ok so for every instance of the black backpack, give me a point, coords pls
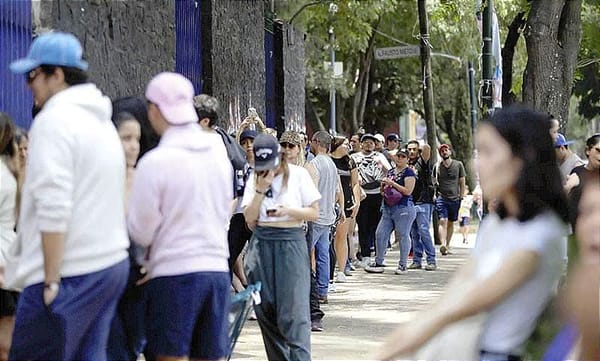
(237, 157)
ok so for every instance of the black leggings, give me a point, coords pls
(367, 219)
(237, 237)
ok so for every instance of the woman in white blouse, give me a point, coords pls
(277, 199)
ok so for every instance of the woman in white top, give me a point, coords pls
(10, 186)
(517, 262)
(277, 199)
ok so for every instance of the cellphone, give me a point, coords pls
(271, 212)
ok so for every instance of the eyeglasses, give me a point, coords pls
(30, 77)
(287, 145)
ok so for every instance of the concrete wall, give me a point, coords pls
(125, 42)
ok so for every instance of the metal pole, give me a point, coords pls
(332, 125)
(473, 96)
(427, 84)
(487, 58)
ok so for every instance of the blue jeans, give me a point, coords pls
(399, 218)
(421, 238)
(320, 242)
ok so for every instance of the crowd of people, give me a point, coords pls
(127, 224)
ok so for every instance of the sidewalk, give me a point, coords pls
(367, 308)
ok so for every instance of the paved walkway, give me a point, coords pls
(366, 309)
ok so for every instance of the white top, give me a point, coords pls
(75, 184)
(180, 203)
(512, 320)
(371, 168)
(8, 198)
(300, 192)
(465, 206)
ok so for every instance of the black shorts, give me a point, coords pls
(8, 302)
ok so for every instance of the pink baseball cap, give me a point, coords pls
(173, 94)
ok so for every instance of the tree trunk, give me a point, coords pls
(552, 36)
(508, 52)
(362, 84)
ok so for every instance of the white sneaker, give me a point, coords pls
(331, 288)
(340, 277)
(366, 262)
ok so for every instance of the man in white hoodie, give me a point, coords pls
(71, 254)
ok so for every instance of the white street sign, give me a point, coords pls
(397, 52)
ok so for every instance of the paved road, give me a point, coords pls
(367, 308)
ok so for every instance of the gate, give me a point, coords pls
(188, 41)
(15, 38)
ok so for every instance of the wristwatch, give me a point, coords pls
(52, 286)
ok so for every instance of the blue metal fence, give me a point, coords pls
(15, 38)
(269, 79)
(188, 41)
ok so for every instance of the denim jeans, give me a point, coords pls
(399, 218)
(421, 238)
(320, 242)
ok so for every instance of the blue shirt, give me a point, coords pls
(399, 177)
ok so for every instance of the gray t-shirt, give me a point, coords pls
(327, 186)
(568, 165)
(448, 179)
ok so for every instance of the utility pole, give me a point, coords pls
(472, 96)
(487, 59)
(427, 84)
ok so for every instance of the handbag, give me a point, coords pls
(391, 196)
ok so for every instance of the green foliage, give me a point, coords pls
(587, 84)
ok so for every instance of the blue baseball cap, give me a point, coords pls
(561, 141)
(54, 48)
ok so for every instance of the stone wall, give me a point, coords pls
(125, 42)
(234, 61)
(293, 69)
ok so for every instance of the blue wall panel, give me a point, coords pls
(188, 41)
(269, 79)
(15, 38)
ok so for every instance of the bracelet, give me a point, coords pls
(52, 285)
(259, 192)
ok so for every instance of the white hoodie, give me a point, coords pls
(74, 183)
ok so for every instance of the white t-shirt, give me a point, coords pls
(300, 192)
(512, 320)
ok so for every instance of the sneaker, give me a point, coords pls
(331, 288)
(323, 300)
(415, 266)
(400, 270)
(366, 262)
(444, 250)
(354, 265)
(348, 273)
(252, 315)
(316, 326)
(374, 269)
(340, 277)
(431, 267)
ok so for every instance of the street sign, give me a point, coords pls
(397, 52)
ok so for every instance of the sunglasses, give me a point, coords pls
(287, 145)
(30, 77)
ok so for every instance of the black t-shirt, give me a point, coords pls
(345, 165)
(424, 190)
(575, 194)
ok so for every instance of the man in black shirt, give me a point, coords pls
(418, 159)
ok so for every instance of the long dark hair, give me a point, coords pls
(539, 187)
(9, 154)
(137, 107)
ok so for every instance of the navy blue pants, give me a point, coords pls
(76, 324)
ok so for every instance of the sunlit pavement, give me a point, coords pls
(366, 309)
